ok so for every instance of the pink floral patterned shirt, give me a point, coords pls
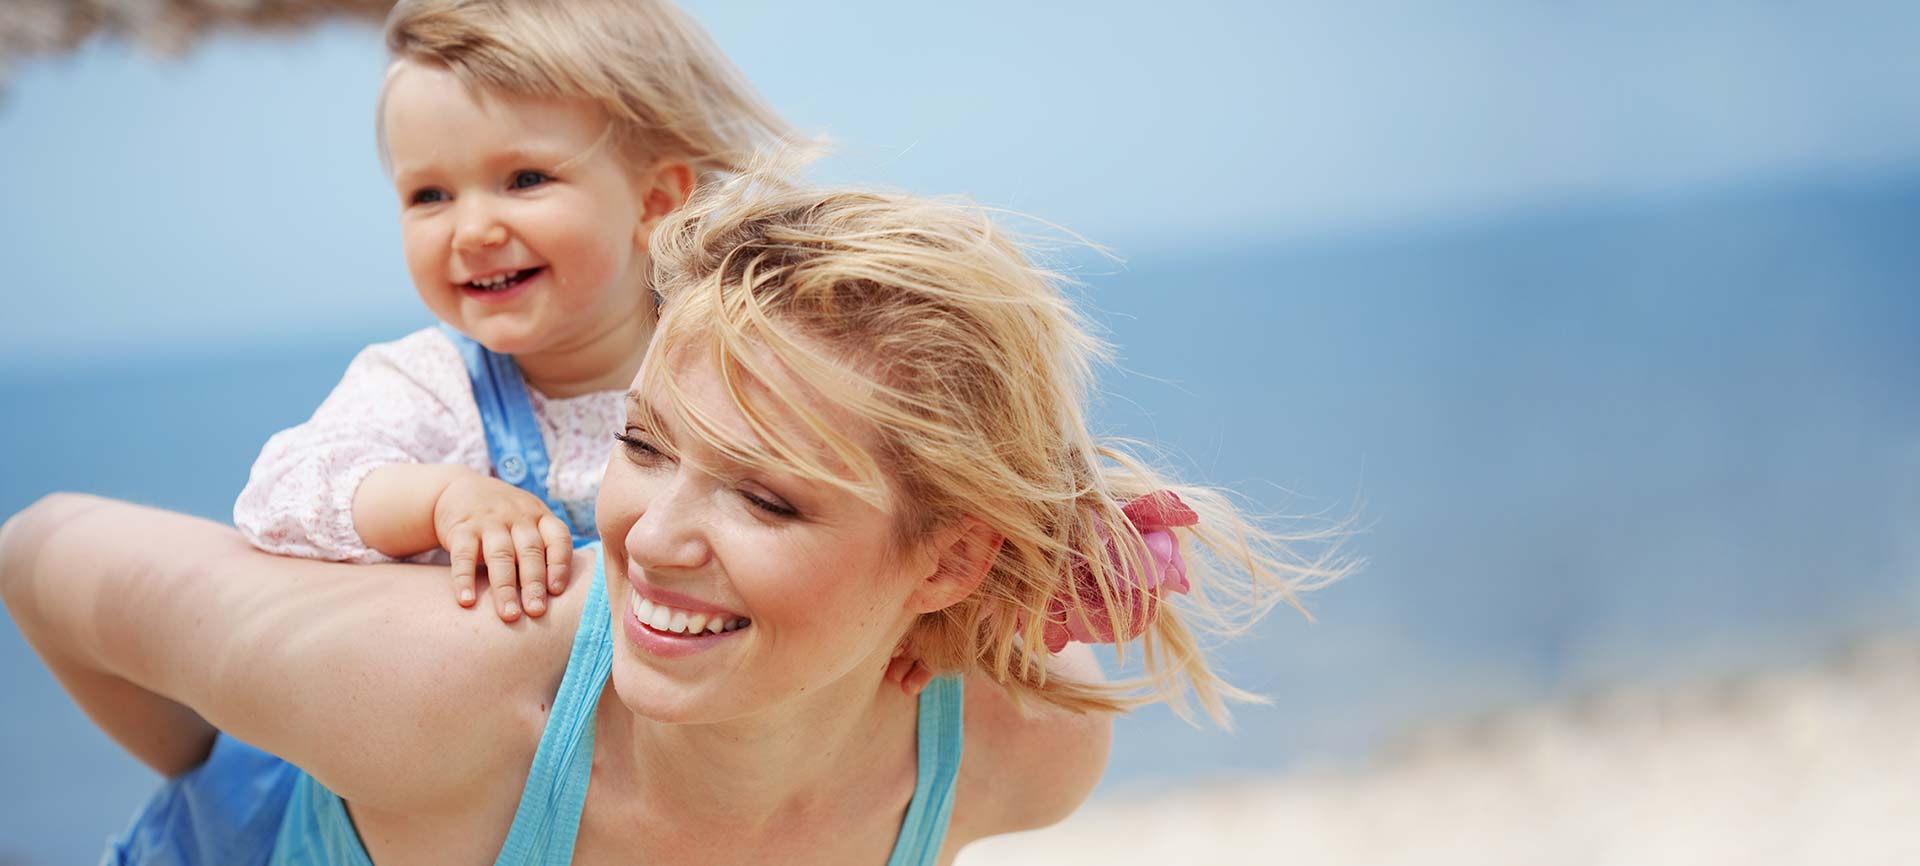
(408, 401)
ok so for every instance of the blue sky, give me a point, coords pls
(232, 199)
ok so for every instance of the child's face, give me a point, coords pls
(522, 226)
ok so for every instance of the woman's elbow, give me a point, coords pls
(24, 540)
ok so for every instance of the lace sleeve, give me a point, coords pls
(402, 402)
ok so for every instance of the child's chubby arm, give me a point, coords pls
(404, 509)
(404, 402)
(163, 627)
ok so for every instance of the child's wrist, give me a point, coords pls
(397, 505)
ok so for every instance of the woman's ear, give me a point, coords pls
(966, 553)
(666, 186)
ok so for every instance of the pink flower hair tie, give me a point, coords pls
(1077, 613)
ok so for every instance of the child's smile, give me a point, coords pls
(521, 222)
(502, 285)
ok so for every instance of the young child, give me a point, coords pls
(533, 146)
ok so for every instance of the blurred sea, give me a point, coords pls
(1585, 446)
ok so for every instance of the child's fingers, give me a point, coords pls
(464, 551)
(559, 552)
(496, 545)
(897, 669)
(916, 681)
(532, 550)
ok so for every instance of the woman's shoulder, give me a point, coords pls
(456, 700)
(1031, 767)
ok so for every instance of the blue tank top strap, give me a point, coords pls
(942, 732)
(548, 817)
(318, 831)
(514, 444)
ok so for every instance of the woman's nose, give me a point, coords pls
(670, 529)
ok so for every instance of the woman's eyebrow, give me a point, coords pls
(715, 461)
(642, 410)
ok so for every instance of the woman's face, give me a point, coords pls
(733, 589)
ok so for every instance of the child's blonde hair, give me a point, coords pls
(925, 321)
(667, 90)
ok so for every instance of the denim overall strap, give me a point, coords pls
(514, 446)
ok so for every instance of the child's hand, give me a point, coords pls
(908, 672)
(525, 548)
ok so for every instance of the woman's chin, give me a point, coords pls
(647, 694)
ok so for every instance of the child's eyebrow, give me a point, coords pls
(556, 157)
(526, 154)
(406, 175)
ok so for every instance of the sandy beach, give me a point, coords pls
(1812, 765)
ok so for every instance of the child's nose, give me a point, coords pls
(478, 229)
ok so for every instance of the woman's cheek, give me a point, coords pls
(616, 508)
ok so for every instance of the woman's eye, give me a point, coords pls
(769, 504)
(527, 178)
(430, 195)
(639, 448)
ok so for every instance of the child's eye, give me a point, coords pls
(527, 178)
(429, 195)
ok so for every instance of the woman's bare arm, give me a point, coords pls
(163, 627)
(1026, 770)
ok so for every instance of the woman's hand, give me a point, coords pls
(525, 548)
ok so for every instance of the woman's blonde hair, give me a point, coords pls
(970, 368)
(667, 90)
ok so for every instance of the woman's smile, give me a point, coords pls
(667, 624)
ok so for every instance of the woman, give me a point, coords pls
(859, 424)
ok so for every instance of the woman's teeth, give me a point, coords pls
(660, 617)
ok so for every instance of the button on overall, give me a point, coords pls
(513, 470)
(514, 446)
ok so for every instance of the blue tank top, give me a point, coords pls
(247, 807)
(514, 445)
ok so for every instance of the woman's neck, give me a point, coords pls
(755, 776)
(604, 359)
